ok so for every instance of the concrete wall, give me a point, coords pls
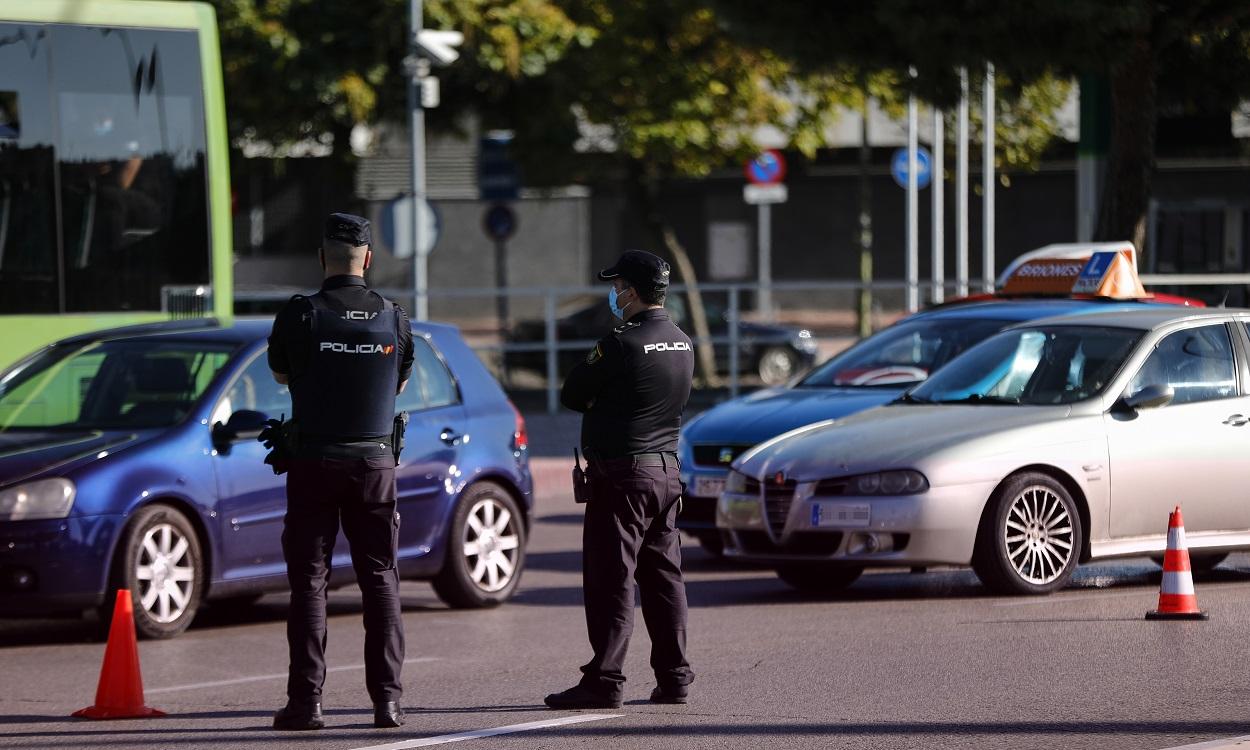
(551, 247)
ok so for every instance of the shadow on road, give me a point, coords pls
(45, 631)
(730, 590)
(712, 583)
(149, 734)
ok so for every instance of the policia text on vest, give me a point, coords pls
(631, 391)
(345, 352)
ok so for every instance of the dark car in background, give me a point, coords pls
(773, 353)
(128, 459)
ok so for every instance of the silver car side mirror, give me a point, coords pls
(1150, 397)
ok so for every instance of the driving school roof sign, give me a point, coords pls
(1102, 274)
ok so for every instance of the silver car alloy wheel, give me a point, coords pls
(491, 544)
(1039, 535)
(165, 572)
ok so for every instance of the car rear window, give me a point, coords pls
(431, 384)
(903, 354)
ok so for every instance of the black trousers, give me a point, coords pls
(359, 492)
(630, 534)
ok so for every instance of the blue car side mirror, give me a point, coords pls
(244, 424)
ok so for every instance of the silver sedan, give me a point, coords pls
(1046, 446)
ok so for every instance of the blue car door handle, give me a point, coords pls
(450, 436)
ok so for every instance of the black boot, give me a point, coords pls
(388, 715)
(299, 717)
(580, 696)
(675, 694)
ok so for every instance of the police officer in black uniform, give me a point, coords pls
(632, 389)
(345, 353)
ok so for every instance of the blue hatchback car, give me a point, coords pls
(873, 372)
(128, 459)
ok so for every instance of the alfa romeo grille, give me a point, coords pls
(777, 499)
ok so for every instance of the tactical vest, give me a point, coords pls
(348, 390)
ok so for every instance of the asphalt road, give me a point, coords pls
(900, 661)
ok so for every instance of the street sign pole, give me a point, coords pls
(501, 282)
(939, 215)
(913, 208)
(961, 190)
(764, 304)
(987, 220)
(500, 222)
(765, 187)
(420, 267)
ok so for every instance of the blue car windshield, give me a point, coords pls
(109, 385)
(903, 354)
(1033, 366)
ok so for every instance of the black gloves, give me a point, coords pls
(275, 436)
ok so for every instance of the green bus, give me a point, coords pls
(114, 173)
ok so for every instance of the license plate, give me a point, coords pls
(708, 486)
(843, 515)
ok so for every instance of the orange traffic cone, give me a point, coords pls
(1177, 600)
(120, 692)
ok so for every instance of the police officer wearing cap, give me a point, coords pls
(345, 352)
(632, 389)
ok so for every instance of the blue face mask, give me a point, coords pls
(612, 303)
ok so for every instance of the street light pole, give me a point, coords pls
(961, 190)
(987, 219)
(913, 209)
(939, 209)
(418, 68)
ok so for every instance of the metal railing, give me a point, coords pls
(187, 301)
(552, 345)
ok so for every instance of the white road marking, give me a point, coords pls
(263, 677)
(1229, 744)
(443, 739)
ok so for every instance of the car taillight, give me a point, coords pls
(520, 438)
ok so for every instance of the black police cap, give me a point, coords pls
(640, 269)
(349, 228)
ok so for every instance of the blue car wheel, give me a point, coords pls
(160, 560)
(485, 549)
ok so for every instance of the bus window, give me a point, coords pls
(131, 151)
(28, 258)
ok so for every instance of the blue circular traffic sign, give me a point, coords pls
(924, 164)
(767, 168)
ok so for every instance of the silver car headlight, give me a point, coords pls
(736, 482)
(903, 482)
(39, 500)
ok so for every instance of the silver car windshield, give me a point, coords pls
(1032, 366)
(902, 354)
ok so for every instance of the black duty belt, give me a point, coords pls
(356, 449)
(635, 460)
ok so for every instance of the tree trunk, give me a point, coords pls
(644, 188)
(1131, 161)
(698, 314)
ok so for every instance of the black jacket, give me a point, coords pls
(633, 387)
(287, 350)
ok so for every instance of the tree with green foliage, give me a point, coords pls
(313, 69)
(670, 91)
(1155, 53)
